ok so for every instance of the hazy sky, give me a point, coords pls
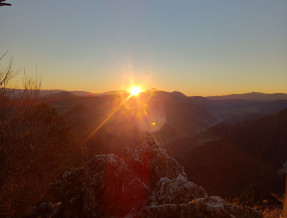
(203, 47)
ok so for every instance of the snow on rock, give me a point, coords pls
(178, 190)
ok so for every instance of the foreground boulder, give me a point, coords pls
(146, 182)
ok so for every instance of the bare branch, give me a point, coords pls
(2, 3)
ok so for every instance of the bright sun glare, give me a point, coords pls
(135, 90)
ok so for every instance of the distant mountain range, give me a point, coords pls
(46, 92)
(164, 113)
(253, 96)
(228, 108)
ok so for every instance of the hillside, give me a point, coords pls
(172, 116)
(253, 96)
(239, 110)
(241, 160)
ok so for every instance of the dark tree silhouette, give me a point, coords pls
(2, 3)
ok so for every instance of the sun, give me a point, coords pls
(135, 90)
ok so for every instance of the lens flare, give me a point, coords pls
(135, 90)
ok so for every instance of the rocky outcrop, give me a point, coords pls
(181, 198)
(150, 162)
(105, 186)
(176, 191)
(146, 182)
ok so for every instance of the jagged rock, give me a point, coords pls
(70, 191)
(147, 182)
(103, 187)
(150, 162)
(122, 190)
(214, 207)
(176, 191)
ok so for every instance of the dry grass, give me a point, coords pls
(272, 212)
(268, 211)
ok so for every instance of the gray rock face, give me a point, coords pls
(176, 191)
(145, 183)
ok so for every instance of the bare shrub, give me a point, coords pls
(36, 146)
(6, 75)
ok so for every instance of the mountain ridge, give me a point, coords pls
(254, 96)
